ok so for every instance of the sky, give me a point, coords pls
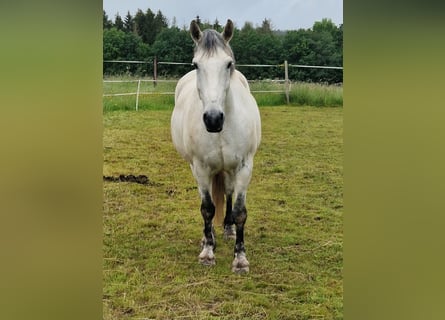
(284, 14)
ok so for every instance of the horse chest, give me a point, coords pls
(222, 154)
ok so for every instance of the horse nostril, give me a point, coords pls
(213, 120)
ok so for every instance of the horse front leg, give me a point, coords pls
(207, 257)
(240, 264)
(208, 244)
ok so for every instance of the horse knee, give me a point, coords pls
(239, 212)
(240, 216)
(207, 207)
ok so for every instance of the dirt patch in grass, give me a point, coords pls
(141, 179)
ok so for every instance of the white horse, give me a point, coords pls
(216, 127)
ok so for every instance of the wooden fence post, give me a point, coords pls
(286, 80)
(155, 71)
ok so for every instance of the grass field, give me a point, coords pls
(301, 94)
(293, 233)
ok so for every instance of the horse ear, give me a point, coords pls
(195, 31)
(228, 31)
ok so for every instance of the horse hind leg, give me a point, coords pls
(229, 228)
(207, 257)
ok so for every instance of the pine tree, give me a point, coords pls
(174, 23)
(266, 26)
(129, 23)
(150, 29)
(216, 25)
(139, 23)
(145, 26)
(118, 23)
(248, 26)
(107, 24)
(159, 22)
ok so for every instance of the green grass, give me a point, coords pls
(315, 94)
(293, 233)
(301, 94)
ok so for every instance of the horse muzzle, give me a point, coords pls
(213, 120)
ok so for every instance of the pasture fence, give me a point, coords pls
(155, 80)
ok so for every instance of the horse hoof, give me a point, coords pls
(240, 265)
(242, 270)
(206, 257)
(229, 233)
(207, 261)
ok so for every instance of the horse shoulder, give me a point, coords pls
(189, 79)
(182, 94)
(242, 95)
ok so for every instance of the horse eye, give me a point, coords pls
(195, 65)
(229, 65)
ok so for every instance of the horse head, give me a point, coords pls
(214, 63)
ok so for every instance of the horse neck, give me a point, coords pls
(236, 89)
(232, 97)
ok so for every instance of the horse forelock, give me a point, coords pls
(211, 41)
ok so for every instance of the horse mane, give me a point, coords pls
(211, 41)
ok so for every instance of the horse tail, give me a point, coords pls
(218, 197)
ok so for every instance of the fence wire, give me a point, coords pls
(155, 80)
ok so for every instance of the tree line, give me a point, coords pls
(147, 35)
